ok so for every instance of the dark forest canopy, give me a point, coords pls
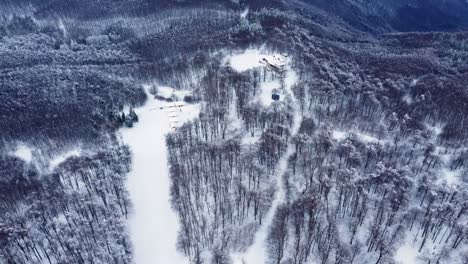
(370, 16)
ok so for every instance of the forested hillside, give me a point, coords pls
(362, 159)
(378, 162)
(399, 15)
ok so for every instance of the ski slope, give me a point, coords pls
(153, 224)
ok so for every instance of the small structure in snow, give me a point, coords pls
(275, 96)
(275, 63)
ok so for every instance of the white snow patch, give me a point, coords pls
(57, 160)
(249, 140)
(248, 60)
(339, 135)
(153, 224)
(366, 138)
(126, 109)
(62, 219)
(244, 13)
(169, 92)
(62, 27)
(407, 99)
(437, 128)
(407, 254)
(290, 80)
(451, 177)
(235, 123)
(253, 58)
(24, 152)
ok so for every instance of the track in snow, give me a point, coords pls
(256, 254)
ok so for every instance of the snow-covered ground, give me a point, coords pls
(435, 128)
(153, 224)
(366, 138)
(169, 92)
(35, 157)
(409, 251)
(339, 135)
(252, 58)
(256, 254)
(450, 177)
(247, 60)
(59, 159)
(407, 254)
(23, 152)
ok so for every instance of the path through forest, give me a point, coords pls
(256, 254)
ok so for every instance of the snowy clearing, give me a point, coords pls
(408, 252)
(169, 92)
(450, 177)
(366, 138)
(339, 135)
(59, 159)
(406, 255)
(249, 59)
(40, 161)
(153, 224)
(252, 58)
(23, 152)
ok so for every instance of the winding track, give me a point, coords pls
(256, 254)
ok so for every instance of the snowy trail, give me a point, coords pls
(256, 254)
(153, 224)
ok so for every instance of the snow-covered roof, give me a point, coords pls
(275, 60)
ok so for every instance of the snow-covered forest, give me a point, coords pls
(233, 132)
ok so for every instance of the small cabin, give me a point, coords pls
(275, 64)
(275, 96)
